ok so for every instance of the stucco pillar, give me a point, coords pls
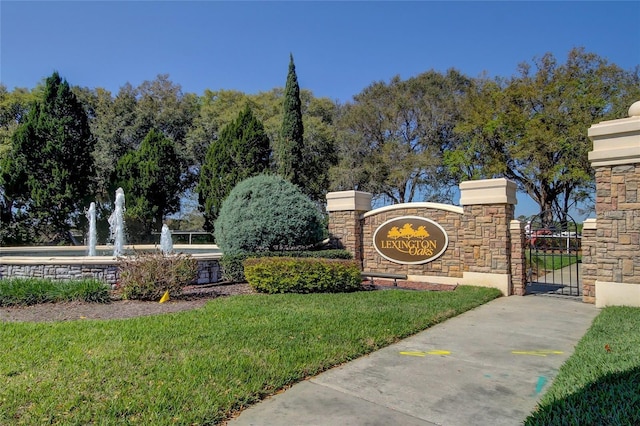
(345, 210)
(616, 161)
(489, 208)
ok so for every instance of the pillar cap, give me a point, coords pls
(488, 191)
(349, 201)
(616, 142)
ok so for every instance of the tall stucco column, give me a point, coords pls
(616, 161)
(345, 210)
(489, 208)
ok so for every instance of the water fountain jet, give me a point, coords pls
(91, 215)
(166, 242)
(116, 224)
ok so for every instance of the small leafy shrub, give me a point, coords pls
(147, 276)
(267, 213)
(302, 275)
(31, 291)
(233, 268)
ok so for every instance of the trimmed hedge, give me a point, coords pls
(233, 269)
(302, 275)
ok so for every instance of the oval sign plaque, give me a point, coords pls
(410, 240)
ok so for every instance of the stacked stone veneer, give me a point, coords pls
(487, 242)
(589, 272)
(618, 223)
(616, 161)
(208, 270)
(518, 261)
(481, 235)
(450, 264)
(61, 271)
(345, 225)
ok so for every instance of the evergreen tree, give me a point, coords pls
(242, 151)
(289, 150)
(150, 178)
(47, 176)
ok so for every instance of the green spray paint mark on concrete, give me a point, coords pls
(541, 382)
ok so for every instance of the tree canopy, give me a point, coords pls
(48, 173)
(242, 151)
(532, 128)
(403, 140)
(150, 178)
(394, 134)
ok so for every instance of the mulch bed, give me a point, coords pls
(193, 297)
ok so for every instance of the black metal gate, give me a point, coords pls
(553, 256)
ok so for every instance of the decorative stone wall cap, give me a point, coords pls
(615, 142)
(435, 206)
(634, 109)
(348, 201)
(614, 127)
(516, 225)
(589, 224)
(488, 191)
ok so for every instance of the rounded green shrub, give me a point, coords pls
(267, 213)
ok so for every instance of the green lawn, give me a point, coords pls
(549, 262)
(198, 367)
(600, 383)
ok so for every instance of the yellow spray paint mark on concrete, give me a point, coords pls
(542, 352)
(421, 353)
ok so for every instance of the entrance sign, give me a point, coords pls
(410, 240)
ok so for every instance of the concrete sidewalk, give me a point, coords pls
(488, 366)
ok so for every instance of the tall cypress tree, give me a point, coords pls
(289, 150)
(48, 174)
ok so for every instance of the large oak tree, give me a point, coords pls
(532, 128)
(393, 135)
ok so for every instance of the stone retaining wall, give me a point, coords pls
(208, 270)
(480, 236)
(448, 265)
(106, 273)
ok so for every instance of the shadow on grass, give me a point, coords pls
(612, 400)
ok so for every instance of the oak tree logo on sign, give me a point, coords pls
(410, 240)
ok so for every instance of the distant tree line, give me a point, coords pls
(403, 140)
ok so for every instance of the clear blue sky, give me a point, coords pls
(339, 47)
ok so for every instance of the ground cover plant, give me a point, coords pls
(198, 367)
(600, 383)
(30, 291)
